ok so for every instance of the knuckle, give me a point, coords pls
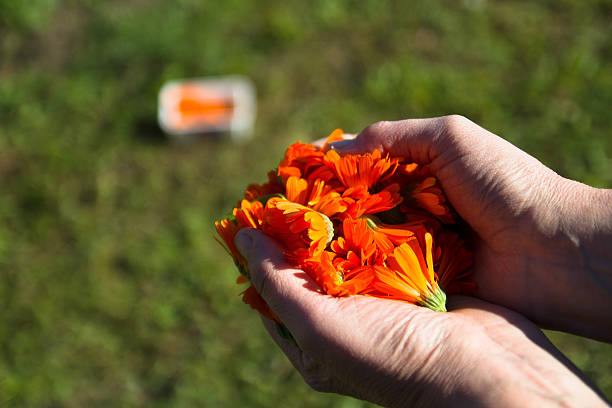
(374, 135)
(264, 262)
(317, 382)
(261, 279)
(452, 123)
(377, 128)
(315, 374)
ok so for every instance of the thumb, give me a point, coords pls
(412, 138)
(290, 292)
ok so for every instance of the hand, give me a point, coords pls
(542, 245)
(397, 354)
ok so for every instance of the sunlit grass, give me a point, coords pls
(113, 290)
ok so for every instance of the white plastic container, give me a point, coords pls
(188, 107)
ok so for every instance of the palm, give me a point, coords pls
(366, 333)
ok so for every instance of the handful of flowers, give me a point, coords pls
(365, 224)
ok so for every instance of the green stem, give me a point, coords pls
(435, 302)
(372, 221)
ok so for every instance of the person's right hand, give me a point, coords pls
(543, 244)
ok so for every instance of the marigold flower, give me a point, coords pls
(361, 202)
(253, 299)
(421, 190)
(333, 137)
(336, 282)
(454, 263)
(256, 191)
(250, 214)
(364, 170)
(387, 237)
(410, 276)
(358, 240)
(315, 194)
(357, 224)
(302, 158)
(429, 196)
(297, 226)
(227, 230)
(297, 158)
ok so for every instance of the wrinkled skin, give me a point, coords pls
(539, 256)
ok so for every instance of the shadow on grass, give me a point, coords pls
(147, 130)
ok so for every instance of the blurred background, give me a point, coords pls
(112, 289)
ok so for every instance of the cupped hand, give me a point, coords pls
(397, 354)
(542, 242)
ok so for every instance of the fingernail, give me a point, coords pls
(341, 145)
(244, 241)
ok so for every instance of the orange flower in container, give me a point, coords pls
(359, 225)
(207, 105)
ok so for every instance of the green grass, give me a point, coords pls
(112, 289)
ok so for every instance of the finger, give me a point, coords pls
(289, 292)
(492, 315)
(321, 142)
(315, 374)
(309, 368)
(293, 353)
(411, 138)
(492, 318)
(418, 140)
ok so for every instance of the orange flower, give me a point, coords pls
(297, 156)
(255, 191)
(301, 159)
(421, 190)
(250, 214)
(357, 224)
(297, 226)
(227, 230)
(365, 170)
(387, 237)
(335, 282)
(253, 299)
(430, 197)
(454, 263)
(315, 194)
(357, 240)
(333, 137)
(410, 276)
(362, 202)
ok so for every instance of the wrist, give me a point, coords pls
(521, 375)
(567, 260)
(586, 231)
